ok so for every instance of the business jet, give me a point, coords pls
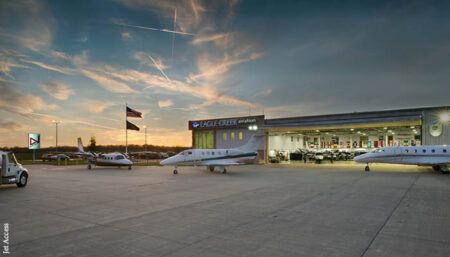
(436, 156)
(215, 158)
(105, 159)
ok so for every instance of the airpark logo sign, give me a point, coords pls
(225, 123)
(34, 141)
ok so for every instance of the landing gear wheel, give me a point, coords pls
(129, 167)
(175, 172)
(436, 168)
(444, 171)
(89, 166)
(211, 168)
(367, 168)
(22, 180)
(224, 171)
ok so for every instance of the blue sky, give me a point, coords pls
(81, 61)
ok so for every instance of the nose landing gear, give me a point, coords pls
(367, 168)
(175, 171)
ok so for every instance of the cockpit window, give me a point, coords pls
(378, 150)
(119, 157)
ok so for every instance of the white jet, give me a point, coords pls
(436, 156)
(105, 159)
(212, 158)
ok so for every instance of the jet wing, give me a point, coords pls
(220, 163)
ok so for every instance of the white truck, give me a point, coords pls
(11, 171)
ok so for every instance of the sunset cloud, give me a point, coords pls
(57, 89)
(165, 103)
(16, 101)
(97, 106)
(107, 82)
(55, 68)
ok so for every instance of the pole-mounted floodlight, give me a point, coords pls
(145, 131)
(56, 132)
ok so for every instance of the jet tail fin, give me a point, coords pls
(80, 145)
(252, 144)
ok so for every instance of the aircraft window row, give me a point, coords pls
(425, 150)
(213, 153)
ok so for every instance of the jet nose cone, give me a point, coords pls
(163, 162)
(359, 158)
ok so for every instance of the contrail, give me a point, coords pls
(173, 35)
(155, 29)
(159, 68)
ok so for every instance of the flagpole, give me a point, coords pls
(126, 130)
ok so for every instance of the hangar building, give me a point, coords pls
(349, 131)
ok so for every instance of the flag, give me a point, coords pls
(133, 113)
(131, 126)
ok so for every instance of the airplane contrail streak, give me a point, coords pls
(158, 67)
(155, 29)
(173, 34)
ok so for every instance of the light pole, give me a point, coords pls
(145, 131)
(56, 138)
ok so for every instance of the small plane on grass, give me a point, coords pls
(436, 156)
(216, 158)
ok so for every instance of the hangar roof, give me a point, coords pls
(385, 117)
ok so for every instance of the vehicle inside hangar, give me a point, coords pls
(334, 144)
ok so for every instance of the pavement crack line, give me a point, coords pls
(389, 216)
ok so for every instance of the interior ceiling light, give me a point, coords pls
(444, 117)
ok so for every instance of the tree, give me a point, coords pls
(92, 144)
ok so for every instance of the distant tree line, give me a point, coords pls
(23, 153)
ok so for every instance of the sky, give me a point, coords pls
(80, 62)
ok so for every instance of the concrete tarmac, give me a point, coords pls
(271, 210)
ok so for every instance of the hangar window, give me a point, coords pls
(232, 136)
(225, 136)
(241, 135)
